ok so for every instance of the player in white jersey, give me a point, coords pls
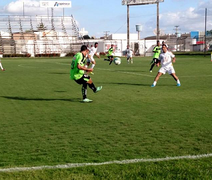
(93, 51)
(165, 59)
(1, 56)
(129, 54)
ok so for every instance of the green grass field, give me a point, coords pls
(44, 123)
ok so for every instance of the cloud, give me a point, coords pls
(191, 19)
(28, 7)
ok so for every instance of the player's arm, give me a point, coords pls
(84, 68)
(154, 50)
(173, 57)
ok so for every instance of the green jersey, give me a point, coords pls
(110, 52)
(156, 50)
(76, 73)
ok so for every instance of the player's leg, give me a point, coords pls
(156, 79)
(176, 79)
(92, 86)
(1, 67)
(131, 59)
(128, 59)
(171, 71)
(93, 62)
(84, 90)
(83, 80)
(153, 64)
(108, 58)
(111, 59)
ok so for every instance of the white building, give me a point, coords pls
(139, 46)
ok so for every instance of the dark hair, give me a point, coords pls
(164, 45)
(83, 48)
(96, 43)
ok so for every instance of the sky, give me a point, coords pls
(101, 16)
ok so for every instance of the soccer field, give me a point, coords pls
(44, 123)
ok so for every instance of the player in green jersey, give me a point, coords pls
(77, 73)
(157, 51)
(110, 54)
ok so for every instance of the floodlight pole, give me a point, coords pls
(128, 25)
(158, 30)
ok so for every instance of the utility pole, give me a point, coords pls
(205, 29)
(106, 33)
(158, 30)
(176, 30)
(128, 24)
(23, 8)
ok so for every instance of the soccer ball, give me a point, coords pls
(117, 60)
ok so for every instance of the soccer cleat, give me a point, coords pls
(91, 73)
(152, 85)
(150, 71)
(86, 100)
(98, 89)
(3, 69)
(178, 84)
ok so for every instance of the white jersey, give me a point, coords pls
(129, 52)
(166, 59)
(92, 51)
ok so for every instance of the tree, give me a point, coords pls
(209, 33)
(86, 37)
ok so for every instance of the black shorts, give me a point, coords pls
(110, 57)
(155, 60)
(84, 79)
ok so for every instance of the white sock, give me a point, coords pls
(92, 66)
(1, 66)
(154, 83)
(178, 81)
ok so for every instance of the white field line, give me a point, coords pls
(131, 73)
(130, 161)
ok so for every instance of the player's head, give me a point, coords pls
(112, 45)
(158, 43)
(84, 50)
(164, 47)
(128, 46)
(96, 44)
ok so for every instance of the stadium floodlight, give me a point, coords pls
(140, 2)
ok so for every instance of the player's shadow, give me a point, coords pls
(41, 99)
(127, 83)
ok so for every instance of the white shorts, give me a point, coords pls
(129, 56)
(169, 69)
